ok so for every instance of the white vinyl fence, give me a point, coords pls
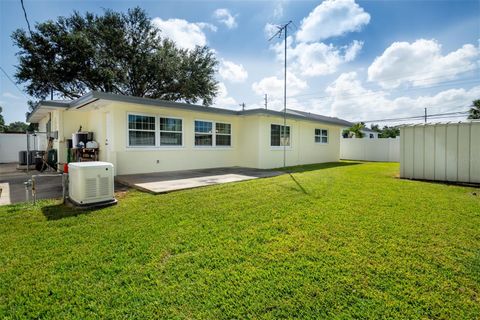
(443, 152)
(387, 150)
(12, 143)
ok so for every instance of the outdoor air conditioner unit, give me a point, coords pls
(90, 182)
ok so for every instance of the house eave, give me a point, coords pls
(94, 96)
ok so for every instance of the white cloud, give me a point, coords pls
(224, 16)
(10, 95)
(223, 100)
(320, 59)
(317, 58)
(421, 63)
(352, 50)
(273, 86)
(278, 9)
(332, 18)
(349, 99)
(185, 34)
(232, 72)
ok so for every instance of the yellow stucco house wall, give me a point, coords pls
(107, 116)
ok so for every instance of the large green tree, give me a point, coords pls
(17, 126)
(474, 112)
(389, 132)
(115, 52)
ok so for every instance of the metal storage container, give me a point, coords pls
(441, 152)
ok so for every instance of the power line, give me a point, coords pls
(420, 117)
(453, 72)
(26, 17)
(446, 83)
(13, 82)
(313, 96)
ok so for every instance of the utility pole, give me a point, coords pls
(243, 106)
(284, 28)
(425, 115)
(266, 101)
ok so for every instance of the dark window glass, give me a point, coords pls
(321, 136)
(224, 128)
(141, 130)
(203, 126)
(279, 135)
(141, 138)
(170, 124)
(223, 136)
(170, 132)
(170, 139)
(203, 139)
(223, 140)
(138, 122)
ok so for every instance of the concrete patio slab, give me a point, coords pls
(162, 182)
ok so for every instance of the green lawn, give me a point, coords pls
(328, 241)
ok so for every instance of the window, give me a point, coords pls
(170, 132)
(141, 130)
(372, 136)
(279, 135)
(321, 136)
(203, 133)
(223, 134)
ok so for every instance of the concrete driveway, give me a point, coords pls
(12, 189)
(162, 182)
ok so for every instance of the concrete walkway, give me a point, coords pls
(161, 182)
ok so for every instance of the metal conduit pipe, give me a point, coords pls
(32, 183)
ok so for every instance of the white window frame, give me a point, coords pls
(214, 135)
(160, 131)
(289, 146)
(155, 131)
(321, 136)
(223, 134)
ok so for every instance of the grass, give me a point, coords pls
(326, 241)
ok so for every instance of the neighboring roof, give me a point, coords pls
(368, 130)
(442, 123)
(95, 95)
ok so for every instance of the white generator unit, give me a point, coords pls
(90, 183)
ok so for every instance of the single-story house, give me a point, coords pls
(141, 135)
(369, 133)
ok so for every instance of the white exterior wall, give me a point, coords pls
(443, 152)
(387, 150)
(303, 149)
(10, 145)
(157, 159)
(250, 140)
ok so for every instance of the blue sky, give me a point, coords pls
(358, 60)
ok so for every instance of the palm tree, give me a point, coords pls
(356, 129)
(475, 110)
